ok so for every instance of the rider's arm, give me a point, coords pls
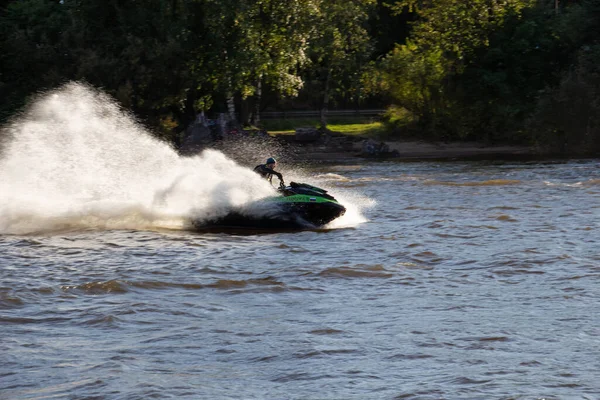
(277, 174)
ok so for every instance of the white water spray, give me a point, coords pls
(76, 160)
(354, 202)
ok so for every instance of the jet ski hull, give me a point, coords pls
(300, 207)
(316, 214)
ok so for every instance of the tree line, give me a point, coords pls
(515, 71)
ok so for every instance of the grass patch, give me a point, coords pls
(288, 125)
(354, 126)
(369, 129)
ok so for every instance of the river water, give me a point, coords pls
(446, 280)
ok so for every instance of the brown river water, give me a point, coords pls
(469, 280)
(445, 280)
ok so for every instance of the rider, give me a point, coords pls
(267, 170)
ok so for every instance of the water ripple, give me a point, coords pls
(468, 281)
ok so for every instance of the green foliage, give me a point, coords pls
(340, 50)
(567, 118)
(399, 122)
(477, 70)
(133, 52)
(499, 86)
(33, 53)
(493, 70)
(414, 78)
(173, 56)
(423, 76)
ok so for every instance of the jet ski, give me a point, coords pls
(297, 206)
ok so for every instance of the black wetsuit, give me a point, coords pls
(267, 172)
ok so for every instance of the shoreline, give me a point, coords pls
(411, 151)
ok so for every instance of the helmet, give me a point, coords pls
(271, 160)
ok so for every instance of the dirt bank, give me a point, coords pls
(456, 150)
(345, 149)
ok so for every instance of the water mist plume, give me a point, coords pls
(76, 160)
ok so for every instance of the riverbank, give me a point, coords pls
(344, 148)
(348, 142)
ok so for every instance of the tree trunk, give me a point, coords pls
(231, 107)
(245, 114)
(325, 100)
(256, 116)
(230, 95)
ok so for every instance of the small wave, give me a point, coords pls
(532, 363)
(506, 218)
(121, 287)
(583, 184)
(229, 284)
(494, 339)
(411, 265)
(421, 394)
(321, 353)
(563, 184)
(333, 177)
(102, 321)
(8, 301)
(28, 243)
(449, 236)
(62, 390)
(482, 227)
(367, 181)
(326, 331)
(503, 208)
(375, 271)
(463, 380)
(426, 257)
(418, 356)
(113, 286)
(517, 271)
(491, 182)
(237, 284)
(300, 376)
(162, 285)
(566, 385)
(23, 320)
(591, 182)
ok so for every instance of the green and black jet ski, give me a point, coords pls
(298, 206)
